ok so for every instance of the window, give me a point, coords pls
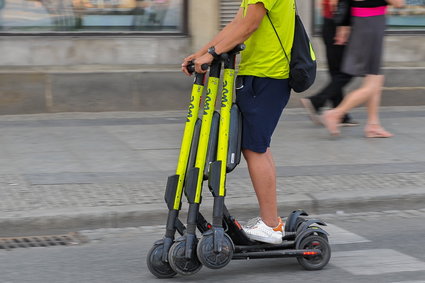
(412, 16)
(409, 18)
(92, 16)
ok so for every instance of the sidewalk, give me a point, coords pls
(72, 171)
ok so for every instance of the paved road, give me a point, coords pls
(382, 246)
(72, 171)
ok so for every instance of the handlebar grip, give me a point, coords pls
(191, 67)
(237, 49)
(205, 66)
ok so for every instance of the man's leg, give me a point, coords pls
(262, 171)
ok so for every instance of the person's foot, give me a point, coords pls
(348, 122)
(331, 121)
(311, 111)
(257, 230)
(376, 131)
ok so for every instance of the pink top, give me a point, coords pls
(368, 12)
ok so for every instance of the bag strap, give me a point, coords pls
(275, 31)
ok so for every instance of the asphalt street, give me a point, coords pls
(382, 247)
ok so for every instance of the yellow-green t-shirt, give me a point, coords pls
(263, 55)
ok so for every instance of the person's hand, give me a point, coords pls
(207, 58)
(342, 34)
(186, 61)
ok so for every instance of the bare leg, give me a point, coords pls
(262, 171)
(373, 128)
(367, 92)
(375, 101)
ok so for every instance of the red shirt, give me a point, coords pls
(326, 9)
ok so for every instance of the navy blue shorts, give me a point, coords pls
(261, 101)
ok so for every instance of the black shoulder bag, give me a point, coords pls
(302, 66)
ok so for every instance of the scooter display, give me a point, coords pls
(210, 150)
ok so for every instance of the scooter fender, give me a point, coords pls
(292, 220)
(167, 242)
(191, 242)
(218, 239)
(310, 231)
(217, 234)
(159, 242)
(306, 224)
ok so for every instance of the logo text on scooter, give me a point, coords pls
(224, 97)
(191, 106)
(207, 102)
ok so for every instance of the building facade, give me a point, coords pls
(73, 32)
(58, 39)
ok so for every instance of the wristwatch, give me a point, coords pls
(211, 50)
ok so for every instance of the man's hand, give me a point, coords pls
(207, 58)
(189, 59)
(186, 61)
(342, 35)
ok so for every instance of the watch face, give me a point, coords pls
(211, 50)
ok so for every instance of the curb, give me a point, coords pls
(56, 222)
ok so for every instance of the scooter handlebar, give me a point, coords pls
(223, 57)
(191, 67)
(238, 48)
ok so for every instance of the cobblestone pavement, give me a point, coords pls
(94, 167)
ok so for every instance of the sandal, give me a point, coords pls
(331, 122)
(376, 131)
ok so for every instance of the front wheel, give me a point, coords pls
(178, 261)
(315, 262)
(209, 258)
(156, 266)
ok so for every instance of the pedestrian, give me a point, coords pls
(333, 91)
(262, 92)
(363, 58)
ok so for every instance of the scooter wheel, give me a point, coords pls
(209, 258)
(315, 262)
(156, 266)
(178, 261)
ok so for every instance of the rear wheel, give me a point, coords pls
(315, 262)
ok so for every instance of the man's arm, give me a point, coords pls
(223, 33)
(242, 29)
(239, 30)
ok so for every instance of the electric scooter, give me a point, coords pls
(225, 239)
(157, 259)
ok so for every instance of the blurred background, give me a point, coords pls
(92, 107)
(50, 44)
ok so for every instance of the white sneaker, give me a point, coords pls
(257, 230)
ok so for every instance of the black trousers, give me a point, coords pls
(334, 54)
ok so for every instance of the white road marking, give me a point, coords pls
(339, 236)
(375, 262)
